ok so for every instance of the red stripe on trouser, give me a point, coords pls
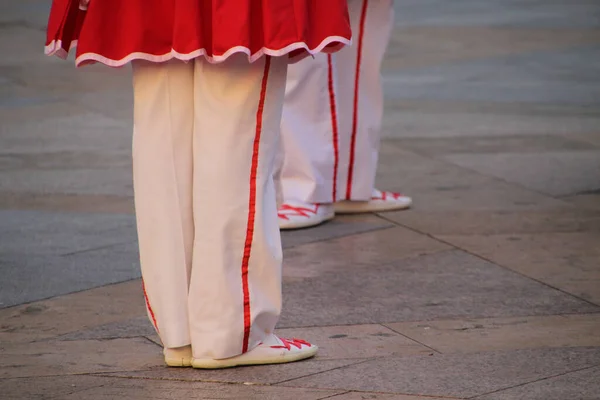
(334, 126)
(363, 15)
(252, 205)
(149, 307)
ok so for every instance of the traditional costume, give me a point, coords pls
(331, 126)
(208, 80)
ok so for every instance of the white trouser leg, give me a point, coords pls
(162, 173)
(359, 96)
(308, 133)
(235, 287)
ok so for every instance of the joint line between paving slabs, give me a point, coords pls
(535, 381)
(108, 246)
(114, 374)
(415, 396)
(334, 395)
(503, 180)
(67, 294)
(327, 370)
(409, 338)
(490, 261)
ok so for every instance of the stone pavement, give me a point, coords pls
(489, 288)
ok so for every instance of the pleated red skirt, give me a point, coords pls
(115, 32)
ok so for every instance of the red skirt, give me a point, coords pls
(115, 32)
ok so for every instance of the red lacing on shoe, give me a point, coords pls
(384, 196)
(288, 343)
(298, 211)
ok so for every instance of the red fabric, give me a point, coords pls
(150, 311)
(334, 126)
(252, 208)
(111, 30)
(363, 17)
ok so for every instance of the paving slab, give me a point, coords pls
(481, 145)
(27, 36)
(258, 375)
(62, 234)
(356, 251)
(335, 342)
(419, 46)
(47, 254)
(446, 284)
(381, 396)
(76, 203)
(489, 334)
(554, 173)
(412, 119)
(71, 313)
(584, 385)
(493, 222)
(57, 387)
(101, 387)
(589, 201)
(103, 181)
(132, 327)
(83, 131)
(37, 277)
(443, 186)
(496, 13)
(552, 76)
(569, 261)
(356, 341)
(58, 357)
(340, 226)
(464, 375)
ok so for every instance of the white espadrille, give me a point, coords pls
(295, 215)
(178, 357)
(380, 201)
(272, 350)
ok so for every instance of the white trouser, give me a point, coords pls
(204, 142)
(332, 114)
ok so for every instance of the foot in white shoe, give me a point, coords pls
(178, 357)
(272, 350)
(380, 201)
(294, 215)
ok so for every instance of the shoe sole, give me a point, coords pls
(241, 361)
(305, 224)
(355, 207)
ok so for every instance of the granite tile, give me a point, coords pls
(356, 341)
(490, 334)
(493, 222)
(479, 145)
(446, 284)
(173, 390)
(74, 312)
(60, 202)
(381, 396)
(436, 185)
(255, 375)
(341, 225)
(77, 357)
(583, 384)
(569, 261)
(55, 387)
(458, 375)
(553, 173)
(356, 251)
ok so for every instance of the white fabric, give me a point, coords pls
(195, 126)
(307, 167)
(309, 157)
